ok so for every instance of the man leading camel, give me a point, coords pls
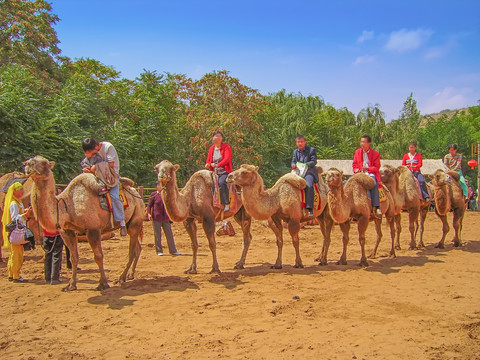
(102, 160)
(367, 160)
(306, 155)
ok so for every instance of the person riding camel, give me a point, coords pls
(453, 161)
(102, 160)
(306, 157)
(219, 160)
(367, 160)
(413, 161)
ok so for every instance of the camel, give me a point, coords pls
(280, 202)
(77, 210)
(195, 203)
(448, 196)
(401, 183)
(350, 202)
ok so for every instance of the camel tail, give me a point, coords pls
(127, 182)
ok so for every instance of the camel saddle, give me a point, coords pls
(106, 200)
(226, 228)
(317, 201)
(419, 191)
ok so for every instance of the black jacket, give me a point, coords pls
(307, 156)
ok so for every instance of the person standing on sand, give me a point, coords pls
(160, 220)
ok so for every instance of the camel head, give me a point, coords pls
(388, 173)
(333, 177)
(166, 171)
(441, 178)
(38, 167)
(245, 175)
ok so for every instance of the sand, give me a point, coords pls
(425, 304)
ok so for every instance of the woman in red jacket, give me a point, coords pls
(220, 160)
(413, 161)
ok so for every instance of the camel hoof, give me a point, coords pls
(439, 246)
(318, 258)
(298, 266)
(191, 271)
(69, 288)
(239, 266)
(363, 263)
(341, 262)
(102, 287)
(392, 255)
(322, 262)
(412, 247)
(457, 244)
(130, 276)
(215, 271)
(421, 246)
(397, 247)
(372, 256)
(276, 266)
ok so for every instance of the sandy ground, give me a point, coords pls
(425, 304)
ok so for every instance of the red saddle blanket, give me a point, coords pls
(317, 200)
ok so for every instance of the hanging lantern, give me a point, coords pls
(472, 163)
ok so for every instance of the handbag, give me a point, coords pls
(17, 232)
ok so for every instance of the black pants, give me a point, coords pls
(421, 181)
(309, 191)
(223, 186)
(67, 256)
(53, 246)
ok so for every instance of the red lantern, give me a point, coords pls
(472, 163)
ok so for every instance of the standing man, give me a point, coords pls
(306, 155)
(156, 212)
(453, 161)
(413, 161)
(107, 168)
(367, 160)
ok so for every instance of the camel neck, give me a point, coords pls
(257, 201)
(337, 203)
(44, 203)
(175, 202)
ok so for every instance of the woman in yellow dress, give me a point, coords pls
(14, 210)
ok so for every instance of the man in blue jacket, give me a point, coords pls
(306, 155)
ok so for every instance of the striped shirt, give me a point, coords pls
(453, 162)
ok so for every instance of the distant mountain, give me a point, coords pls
(447, 112)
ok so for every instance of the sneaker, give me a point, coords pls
(123, 231)
(56, 282)
(176, 253)
(427, 199)
(21, 280)
(10, 279)
(159, 253)
(226, 208)
(310, 213)
(378, 211)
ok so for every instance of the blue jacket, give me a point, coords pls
(307, 156)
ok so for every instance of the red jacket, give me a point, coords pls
(373, 163)
(226, 152)
(415, 164)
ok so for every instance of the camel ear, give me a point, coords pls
(256, 168)
(156, 167)
(52, 164)
(176, 167)
(341, 173)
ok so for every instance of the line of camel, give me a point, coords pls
(77, 210)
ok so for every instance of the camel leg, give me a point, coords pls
(457, 225)
(95, 240)
(412, 219)
(70, 239)
(191, 228)
(445, 230)
(362, 228)
(134, 251)
(209, 228)
(398, 225)
(391, 224)
(345, 227)
(378, 229)
(423, 216)
(245, 221)
(293, 229)
(326, 226)
(277, 228)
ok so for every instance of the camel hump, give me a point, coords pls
(294, 180)
(363, 180)
(127, 182)
(454, 175)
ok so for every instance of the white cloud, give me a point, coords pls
(448, 98)
(365, 59)
(365, 36)
(439, 51)
(407, 40)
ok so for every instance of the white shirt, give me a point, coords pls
(15, 212)
(109, 154)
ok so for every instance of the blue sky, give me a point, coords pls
(351, 53)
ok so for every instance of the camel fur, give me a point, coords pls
(77, 211)
(195, 203)
(282, 202)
